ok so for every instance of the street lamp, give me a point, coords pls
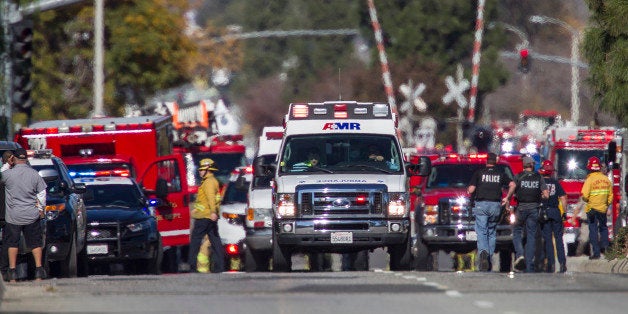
(522, 36)
(575, 42)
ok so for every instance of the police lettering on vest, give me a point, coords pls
(529, 187)
(488, 183)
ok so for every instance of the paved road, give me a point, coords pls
(376, 291)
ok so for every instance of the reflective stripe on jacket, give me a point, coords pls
(597, 191)
(207, 198)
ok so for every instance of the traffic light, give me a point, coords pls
(524, 61)
(21, 53)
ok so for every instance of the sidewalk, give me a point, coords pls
(582, 264)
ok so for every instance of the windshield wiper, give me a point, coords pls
(312, 168)
(367, 166)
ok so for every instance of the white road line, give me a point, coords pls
(484, 304)
(453, 293)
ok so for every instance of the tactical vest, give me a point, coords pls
(529, 187)
(489, 185)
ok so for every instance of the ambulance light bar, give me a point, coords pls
(340, 110)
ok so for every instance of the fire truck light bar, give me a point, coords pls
(88, 128)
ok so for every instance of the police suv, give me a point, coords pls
(340, 184)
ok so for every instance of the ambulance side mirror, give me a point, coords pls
(260, 169)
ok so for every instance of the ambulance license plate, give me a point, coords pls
(341, 237)
(471, 236)
(97, 249)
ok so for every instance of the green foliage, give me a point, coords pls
(145, 51)
(605, 47)
(619, 248)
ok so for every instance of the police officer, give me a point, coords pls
(597, 192)
(205, 214)
(486, 190)
(555, 214)
(530, 190)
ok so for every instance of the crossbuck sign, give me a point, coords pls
(456, 89)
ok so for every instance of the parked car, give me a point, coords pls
(65, 217)
(121, 225)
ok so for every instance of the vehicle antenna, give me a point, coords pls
(339, 89)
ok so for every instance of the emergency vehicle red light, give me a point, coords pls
(75, 129)
(340, 107)
(51, 130)
(274, 135)
(300, 111)
(478, 156)
(26, 131)
(98, 128)
(232, 249)
(258, 224)
(452, 156)
(361, 200)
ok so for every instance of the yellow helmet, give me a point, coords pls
(207, 164)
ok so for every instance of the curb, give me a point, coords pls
(583, 264)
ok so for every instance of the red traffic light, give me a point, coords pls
(523, 53)
(524, 62)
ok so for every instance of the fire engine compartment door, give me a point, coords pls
(172, 213)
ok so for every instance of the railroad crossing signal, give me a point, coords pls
(455, 90)
(21, 52)
(413, 97)
(524, 62)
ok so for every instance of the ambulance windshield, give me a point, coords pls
(336, 153)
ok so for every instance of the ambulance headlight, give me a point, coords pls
(397, 205)
(285, 205)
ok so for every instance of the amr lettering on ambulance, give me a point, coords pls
(340, 183)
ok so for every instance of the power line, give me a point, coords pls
(291, 33)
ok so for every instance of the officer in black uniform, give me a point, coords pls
(553, 226)
(530, 190)
(486, 190)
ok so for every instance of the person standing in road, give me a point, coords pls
(555, 215)
(597, 193)
(25, 201)
(7, 163)
(486, 190)
(205, 214)
(530, 190)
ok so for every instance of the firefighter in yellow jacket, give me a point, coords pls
(597, 192)
(205, 214)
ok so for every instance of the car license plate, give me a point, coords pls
(569, 238)
(342, 237)
(471, 236)
(97, 249)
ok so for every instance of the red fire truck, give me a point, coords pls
(138, 147)
(569, 148)
(444, 219)
(198, 136)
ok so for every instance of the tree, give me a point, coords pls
(605, 47)
(146, 50)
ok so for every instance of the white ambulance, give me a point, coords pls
(341, 183)
(259, 218)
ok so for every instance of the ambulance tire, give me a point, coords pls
(69, 266)
(401, 256)
(255, 261)
(422, 256)
(282, 257)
